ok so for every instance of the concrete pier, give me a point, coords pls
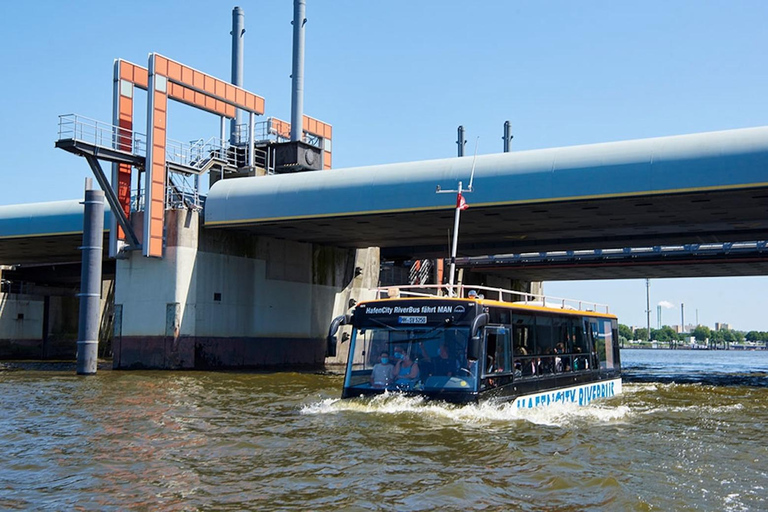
(220, 299)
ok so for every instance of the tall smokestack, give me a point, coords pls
(297, 83)
(238, 32)
(461, 141)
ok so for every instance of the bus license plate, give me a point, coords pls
(412, 319)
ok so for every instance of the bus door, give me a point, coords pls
(497, 367)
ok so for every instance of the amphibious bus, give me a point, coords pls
(531, 350)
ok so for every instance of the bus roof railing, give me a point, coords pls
(491, 293)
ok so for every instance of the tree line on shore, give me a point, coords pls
(701, 333)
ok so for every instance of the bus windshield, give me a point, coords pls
(411, 358)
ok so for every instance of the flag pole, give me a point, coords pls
(455, 245)
(460, 205)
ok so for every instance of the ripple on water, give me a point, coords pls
(253, 441)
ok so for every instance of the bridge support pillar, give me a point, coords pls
(219, 299)
(365, 278)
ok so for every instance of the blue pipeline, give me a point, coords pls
(41, 219)
(686, 163)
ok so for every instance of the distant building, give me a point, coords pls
(722, 326)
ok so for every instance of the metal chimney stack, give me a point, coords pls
(238, 32)
(507, 136)
(461, 140)
(297, 76)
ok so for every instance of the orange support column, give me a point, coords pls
(122, 117)
(154, 210)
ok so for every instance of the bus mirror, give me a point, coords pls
(473, 350)
(478, 323)
(330, 350)
(475, 345)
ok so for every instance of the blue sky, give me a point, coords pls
(396, 78)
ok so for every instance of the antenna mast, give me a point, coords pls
(460, 205)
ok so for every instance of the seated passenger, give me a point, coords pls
(406, 372)
(577, 360)
(381, 376)
(547, 363)
(444, 364)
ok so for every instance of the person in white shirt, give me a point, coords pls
(381, 376)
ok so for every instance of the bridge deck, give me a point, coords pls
(709, 187)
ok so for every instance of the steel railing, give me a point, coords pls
(84, 129)
(490, 293)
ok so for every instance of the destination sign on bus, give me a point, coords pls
(415, 312)
(389, 310)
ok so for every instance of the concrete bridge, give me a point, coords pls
(254, 282)
(701, 188)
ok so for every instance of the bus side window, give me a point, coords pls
(598, 344)
(609, 360)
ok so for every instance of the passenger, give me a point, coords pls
(444, 364)
(381, 376)
(406, 372)
(580, 362)
(546, 364)
(559, 360)
(399, 353)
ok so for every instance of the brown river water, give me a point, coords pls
(689, 433)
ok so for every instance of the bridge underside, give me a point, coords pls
(663, 219)
(46, 249)
(657, 266)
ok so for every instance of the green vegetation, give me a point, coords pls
(702, 334)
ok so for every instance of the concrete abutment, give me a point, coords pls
(220, 299)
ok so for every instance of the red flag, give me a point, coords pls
(461, 204)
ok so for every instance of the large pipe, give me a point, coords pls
(461, 141)
(238, 32)
(297, 76)
(90, 282)
(507, 136)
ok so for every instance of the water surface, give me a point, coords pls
(256, 441)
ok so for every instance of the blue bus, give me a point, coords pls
(533, 352)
